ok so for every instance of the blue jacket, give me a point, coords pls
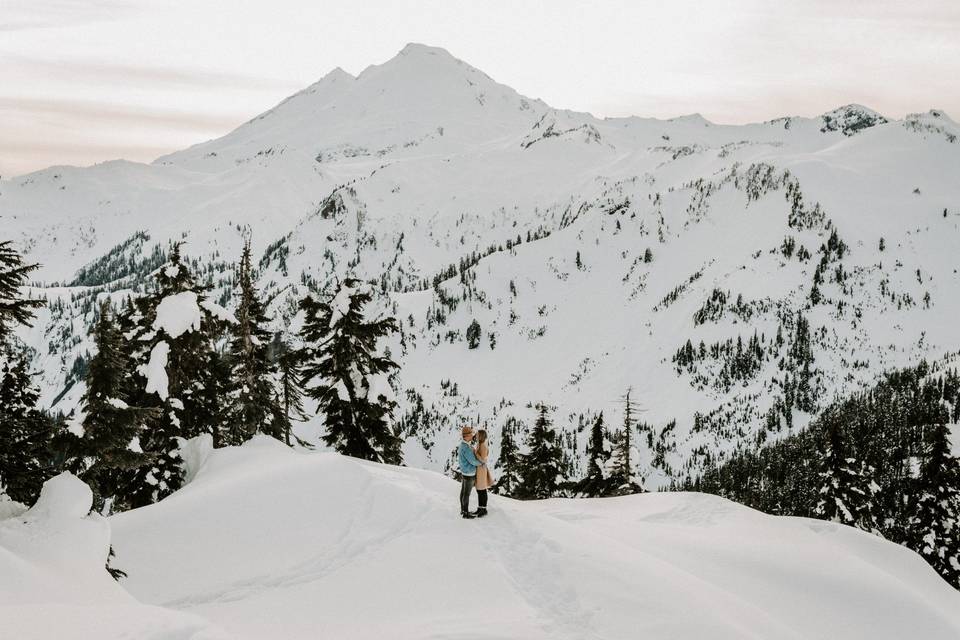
(468, 460)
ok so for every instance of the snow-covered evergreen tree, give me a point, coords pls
(846, 485)
(935, 527)
(508, 462)
(594, 484)
(473, 334)
(348, 375)
(179, 371)
(25, 431)
(541, 467)
(622, 478)
(252, 396)
(15, 309)
(111, 426)
(288, 403)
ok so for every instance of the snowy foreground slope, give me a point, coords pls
(53, 583)
(267, 542)
(635, 236)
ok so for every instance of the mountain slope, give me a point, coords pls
(590, 251)
(267, 542)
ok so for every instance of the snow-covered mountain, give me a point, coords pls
(363, 550)
(589, 250)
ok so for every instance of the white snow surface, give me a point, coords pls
(218, 311)
(53, 583)
(156, 373)
(268, 542)
(178, 313)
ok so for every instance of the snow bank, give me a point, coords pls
(63, 497)
(178, 314)
(218, 312)
(194, 453)
(53, 583)
(273, 543)
(156, 372)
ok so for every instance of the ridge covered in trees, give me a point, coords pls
(879, 460)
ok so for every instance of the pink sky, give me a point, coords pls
(82, 81)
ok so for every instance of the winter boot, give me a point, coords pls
(467, 515)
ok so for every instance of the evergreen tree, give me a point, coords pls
(508, 463)
(541, 467)
(252, 398)
(349, 375)
(594, 484)
(622, 478)
(935, 530)
(14, 308)
(179, 372)
(473, 334)
(25, 431)
(111, 427)
(289, 395)
(846, 487)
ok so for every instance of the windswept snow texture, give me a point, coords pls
(53, 583)
(588, 250)
(271, 543)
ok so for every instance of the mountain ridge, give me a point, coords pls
(537, 222)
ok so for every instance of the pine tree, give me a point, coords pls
(349, 375)
(935, 526)
(846, 486)
(289, 395)
(14, 308)
(622, 478)
(594, 484)
(188, 392)
(25, 431)
(473, 334)
(541, 467)
(111, 427)
(252, 397)
(508, 462)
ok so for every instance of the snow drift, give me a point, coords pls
(272, 543)
(53, 583)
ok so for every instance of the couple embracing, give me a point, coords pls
(474, 472)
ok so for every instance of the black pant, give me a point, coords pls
(466, 486)
(482, 498)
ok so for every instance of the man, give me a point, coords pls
(468, 471)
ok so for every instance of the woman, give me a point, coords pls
(484, 477)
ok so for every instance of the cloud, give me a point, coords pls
(100, 113)
(95, 71)
(26, 15)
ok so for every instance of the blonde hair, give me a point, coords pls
(481, 436)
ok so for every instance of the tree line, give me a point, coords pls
(541, 472)
(172, 365)
(880, 460)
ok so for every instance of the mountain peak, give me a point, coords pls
(337, 75)
(418, 49)
(851, 118)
